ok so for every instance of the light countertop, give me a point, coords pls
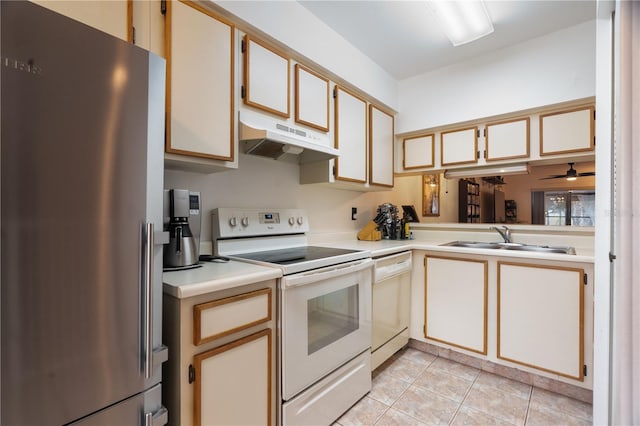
(215, 276)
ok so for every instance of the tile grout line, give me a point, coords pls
(428, 364)
(375, 422)
(402, 393)
(465, 397)
(526, 413)
(411, 383)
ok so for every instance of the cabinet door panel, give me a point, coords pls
(456, 302)
(540, 317)
(266, 78)
(459, 146)
(218, 318)
(380, 147)
(507, 139)
(200, 82)
(312, 99)
(233, 383)
(417, 152)
(351, 137)
(567, 131)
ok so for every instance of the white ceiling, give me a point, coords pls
(405, 39)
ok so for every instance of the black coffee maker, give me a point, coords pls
(182, 219)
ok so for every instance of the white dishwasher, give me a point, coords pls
(391, 306)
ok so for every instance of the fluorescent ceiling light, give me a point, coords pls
(463, 21)
(514, 169)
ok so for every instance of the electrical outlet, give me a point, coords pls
(354, 212)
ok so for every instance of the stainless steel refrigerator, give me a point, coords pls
(82, 131)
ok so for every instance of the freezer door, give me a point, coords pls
(81, 175)
(144, 409)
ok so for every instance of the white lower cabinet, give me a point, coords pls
(222, 359)
(540, 317)
(534, 315)
(232, 382)
(456, 302)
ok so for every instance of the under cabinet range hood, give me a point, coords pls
(270, 138)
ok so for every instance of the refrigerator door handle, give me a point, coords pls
(147, 291)
(159, 418)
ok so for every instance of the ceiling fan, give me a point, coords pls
(571, 174)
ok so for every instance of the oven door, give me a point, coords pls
(326, 321)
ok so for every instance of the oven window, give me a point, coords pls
(331, 317)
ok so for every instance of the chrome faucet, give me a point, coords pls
(505, 233)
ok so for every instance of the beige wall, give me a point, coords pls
(261, 182)
(265, 183)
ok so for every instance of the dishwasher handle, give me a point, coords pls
(390, 266)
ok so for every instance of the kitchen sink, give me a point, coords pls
(474, 244)
(542, 249)
(512, 246)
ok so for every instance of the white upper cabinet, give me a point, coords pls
(364, 136)
(418, 152)
(380, 147)
(148, 26)
(507, 140)
(567, 131)
(312, 98)
(266, 78)
(200, 82)
(459, 146)
(114, 17)
(350, 136)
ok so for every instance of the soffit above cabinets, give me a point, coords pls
(405, 39)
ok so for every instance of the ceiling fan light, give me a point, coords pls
(571, 178)
(463, 21)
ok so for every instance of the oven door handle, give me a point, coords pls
(326, 273)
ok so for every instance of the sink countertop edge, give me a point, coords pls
(386, 247)
(213, 276)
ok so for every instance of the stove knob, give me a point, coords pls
(292, 221)
(233, 221)
(300, 220)
(245, 221)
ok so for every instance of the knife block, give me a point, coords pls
(370, 232)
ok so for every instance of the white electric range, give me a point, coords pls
(324, 310)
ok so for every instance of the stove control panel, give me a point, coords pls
(239, 222)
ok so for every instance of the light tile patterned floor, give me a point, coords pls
(416, 388)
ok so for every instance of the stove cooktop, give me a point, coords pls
(302, 258)
(294, 255)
